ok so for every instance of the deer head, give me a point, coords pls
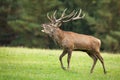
(56, 23)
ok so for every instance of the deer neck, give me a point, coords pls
(58, 36)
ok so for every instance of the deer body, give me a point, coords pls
(71, 41)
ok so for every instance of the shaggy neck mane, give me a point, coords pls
(58, 36)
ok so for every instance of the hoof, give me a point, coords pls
(91, 72)
(68, 69)
(105, 72)
(63, 68)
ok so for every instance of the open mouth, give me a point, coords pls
(42, 30)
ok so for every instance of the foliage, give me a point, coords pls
(20, 21)
(40, 64)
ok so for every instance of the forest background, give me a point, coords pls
(20, 22)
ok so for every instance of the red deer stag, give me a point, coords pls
(70, 40)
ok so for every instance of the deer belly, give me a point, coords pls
(82, 46)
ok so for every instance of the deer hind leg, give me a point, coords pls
(61, 56)
(94, 57)
(68, 58)
(102, 61)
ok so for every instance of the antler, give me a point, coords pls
(72, 16)
(67, 16)
(76, 16)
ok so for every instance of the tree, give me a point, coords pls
(20, 21)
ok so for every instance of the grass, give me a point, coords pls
(41, 64)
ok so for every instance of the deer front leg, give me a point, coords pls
(69, 57)
(61, 56)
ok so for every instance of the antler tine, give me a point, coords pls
(63, 13)
(83, 16)
(79, 12)
(49, 17)
(54, 15)
(71, 14)
(78, 16)
(67, 16)
(75, 16)
(62, 16)
(71, 17)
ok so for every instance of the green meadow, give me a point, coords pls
(43, 64)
